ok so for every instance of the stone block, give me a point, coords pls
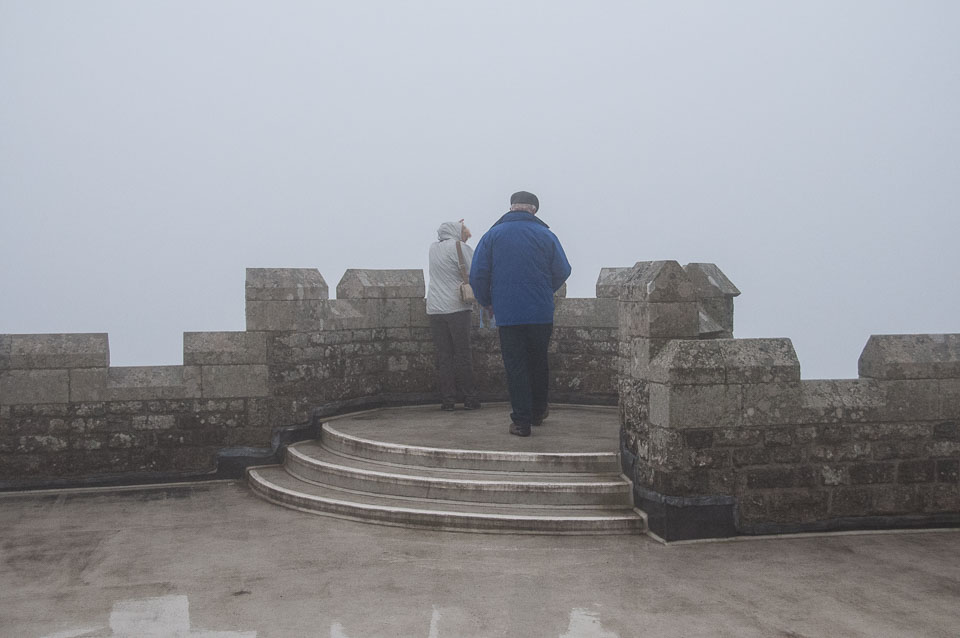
(393, 313)
(285, 284)
(694, 406)
(610, 280)
(658, 282)
(780, 477)
(759, 360)
(940, 498)
(925, 356)
(668, 320)
(144, 383)
(896, 499)
(792, 505)
(916, 471)
(851, 501)
(848, 451)
(872, 473)
(46, 351)
(890, 450)
(635, 355)
(587, 313)
(716, 318)
(796, 403)
(34, 386)
(946, 431)
(915, 400)
(381, 284)
(88, 384)
(863, 400)
(309, 316)
(948, 471)
(688, 362)
(744, 457)
(225, 348)
(950, 398)
(737, 437)
(234, 381)
(709, 281)
(418, 313)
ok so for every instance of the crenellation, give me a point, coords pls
(285, 284)
(610, 281)
(381, 284)
(911, 357)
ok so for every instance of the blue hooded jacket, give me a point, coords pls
(517, 266)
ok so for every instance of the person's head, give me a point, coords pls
(453, 230)
(527, 202)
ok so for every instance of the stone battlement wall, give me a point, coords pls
(66, 415)
(721, 437)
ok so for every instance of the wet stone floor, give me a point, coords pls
(212, 560)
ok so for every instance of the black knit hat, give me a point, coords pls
(523, 197)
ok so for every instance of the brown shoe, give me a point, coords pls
(471, 405)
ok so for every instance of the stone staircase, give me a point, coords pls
(473, 490)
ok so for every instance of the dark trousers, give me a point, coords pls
(451, 336)
(524, 350)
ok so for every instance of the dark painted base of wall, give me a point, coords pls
(675, 518)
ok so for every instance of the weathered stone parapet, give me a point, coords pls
(911, 357)
(381, 284)
(723, 437)
(46, 351)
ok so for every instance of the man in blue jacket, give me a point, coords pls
(517, 266)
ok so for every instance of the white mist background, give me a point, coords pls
(150, 151)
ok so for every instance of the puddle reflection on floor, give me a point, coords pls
(169, 616)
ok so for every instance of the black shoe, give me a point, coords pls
(543, 417)
(519, 430)
(448, 407)
(471, 405)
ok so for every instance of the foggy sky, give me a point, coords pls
(152, 150)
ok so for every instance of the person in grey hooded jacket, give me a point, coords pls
(450, 316)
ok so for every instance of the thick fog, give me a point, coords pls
(151, 150)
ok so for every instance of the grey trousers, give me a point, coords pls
(451, 336)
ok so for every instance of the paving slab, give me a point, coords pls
(212, 560)
(568, 428)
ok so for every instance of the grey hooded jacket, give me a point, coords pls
(443, 292)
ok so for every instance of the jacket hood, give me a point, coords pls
(449, 230)
(520, 216)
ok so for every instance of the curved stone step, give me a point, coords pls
(278, 486)
(312, 462)
(483, 460)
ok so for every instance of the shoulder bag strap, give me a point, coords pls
(463, 266)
